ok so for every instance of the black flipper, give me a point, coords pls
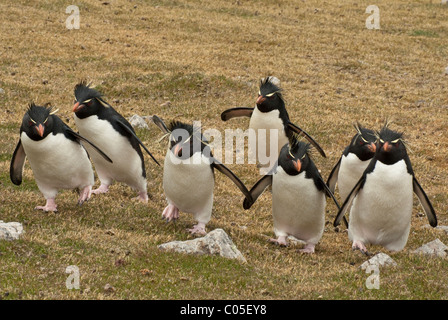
(17, 163)
(236, 112)
(132, 133)
(300, 131)
(348, 202)
(257, 190)
(331, 195)
(79, 137)
(159, 122)
(223, 169)
(333, 177)
(426, 204)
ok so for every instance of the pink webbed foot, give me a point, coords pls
(358, 245)
(101, 189)
(198, 229)
(84, 194)
(309, 248)
(50, 205)
(142, 196)
(281, 241)
(171, 212)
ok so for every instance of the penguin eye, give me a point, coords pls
(31, 122)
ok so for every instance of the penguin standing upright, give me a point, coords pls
(56, 156)
(270, 113)
(381, 202)
(353, 162)
(104, 126)
(298, 196)
(188, 174)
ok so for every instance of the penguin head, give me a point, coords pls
(185, 140)
(363, 144)
(270, 96)
(88, 101)
(391, 147)
(37, 122)
(294, 156)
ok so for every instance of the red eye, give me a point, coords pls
(30, 123)
(89, 103)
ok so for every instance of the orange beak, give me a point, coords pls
(297, 165)
(260, 100)
(387, 146)
(177, 149)
(372, 147)
(77, 106)
(40, 130)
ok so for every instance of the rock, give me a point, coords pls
(446, 70)
(443, 228)
(380, 260)
(138, 122)
(2, 91)
(166, 104)
(10, 230)
(216, 242)
(434, 248)
(108, 288)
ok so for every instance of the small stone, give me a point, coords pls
(2, 91)
(166, 104)
(108, 288)
(10, 230)
(379, 260)
(45, 81)
(138, 122)
(216, 242)
(434, 248)
(446, 70)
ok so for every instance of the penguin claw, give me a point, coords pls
(50, 205)
(170, 213)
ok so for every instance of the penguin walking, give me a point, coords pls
(298, 196)
(56, 156)
(104, 126)
(188, 174)
(269, 114)
(381, 202)
(353, 161)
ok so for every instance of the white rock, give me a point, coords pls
(138, 122)
(216, 242)
(446, 70)
(434, 248)
(379, 260)
(2, 91)
(10, 230)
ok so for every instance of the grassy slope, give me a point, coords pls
(205, 58)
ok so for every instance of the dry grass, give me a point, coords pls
(206, 57)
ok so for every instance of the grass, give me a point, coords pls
(205, 58)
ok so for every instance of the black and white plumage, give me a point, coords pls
(104, 126)
(188, 174)
(298, 196)
(381, 202)
(353, 161)
(56, 156)
(270, 113)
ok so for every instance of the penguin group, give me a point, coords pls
(374, 175)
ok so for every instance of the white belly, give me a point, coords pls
(189, 185)
(350, 172)
(298, 208)
(381, 212)
(57, 163)
(268, 121)
(127, 164)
